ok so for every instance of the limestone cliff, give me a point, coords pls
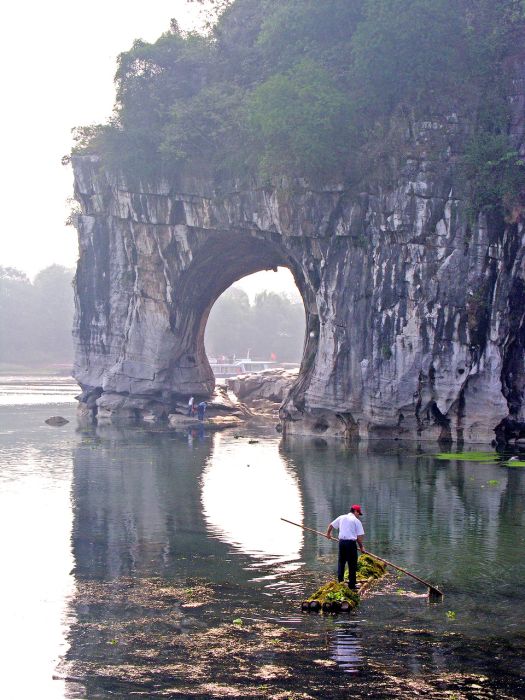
(415, 320)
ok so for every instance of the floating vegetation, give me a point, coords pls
(484, 457)
(487, 457)
(451, 614)
(492, 482)
(163, 650)
(514, 463)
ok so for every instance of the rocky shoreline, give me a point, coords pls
(246, 399)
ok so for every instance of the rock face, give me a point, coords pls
(271, 384)
(415, 319)
(56, 420)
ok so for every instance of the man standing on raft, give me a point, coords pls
(350, 538)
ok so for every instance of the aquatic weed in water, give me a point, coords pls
(486, 457)
(514, 463)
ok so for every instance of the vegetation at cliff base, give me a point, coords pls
(328, 90)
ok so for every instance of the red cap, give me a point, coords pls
(357, 509)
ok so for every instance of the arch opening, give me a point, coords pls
(257, 323)
(223, 260)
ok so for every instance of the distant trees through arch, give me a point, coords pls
(269, 326)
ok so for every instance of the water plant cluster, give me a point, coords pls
(369, 568)
(481, 457)
(332, 595)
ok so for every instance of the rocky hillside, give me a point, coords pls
(413, 281)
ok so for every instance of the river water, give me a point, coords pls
(91, 516)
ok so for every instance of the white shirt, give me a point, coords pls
(349, 527)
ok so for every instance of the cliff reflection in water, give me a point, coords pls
(158, 503)
(170, 504)
(453, 521)
(157, 512)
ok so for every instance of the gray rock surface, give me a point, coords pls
(56, 421)
(271, 384)
(180, 422)
(415, 317)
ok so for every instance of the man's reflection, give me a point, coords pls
(345, 647)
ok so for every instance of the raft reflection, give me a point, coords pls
(345, 647)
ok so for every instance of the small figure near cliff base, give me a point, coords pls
(201, 410)
(190, 405)
(350, 537)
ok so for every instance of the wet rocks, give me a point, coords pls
(180, 422)
(56, 421)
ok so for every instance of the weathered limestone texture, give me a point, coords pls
(415, 320)
(270, 385)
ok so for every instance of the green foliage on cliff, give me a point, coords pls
(407, 52)
(307, 98)
(309, 88)
(495, 171)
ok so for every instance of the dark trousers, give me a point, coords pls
(347, 555)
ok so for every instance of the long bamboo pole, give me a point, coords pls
(435, 592)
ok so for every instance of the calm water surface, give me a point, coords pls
(102, 505)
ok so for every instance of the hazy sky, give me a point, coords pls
(59, 59)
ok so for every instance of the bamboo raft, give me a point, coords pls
(336, 597)
(434, 594)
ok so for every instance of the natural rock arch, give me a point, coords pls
(151, 267)
(223, 258)
(408, 329)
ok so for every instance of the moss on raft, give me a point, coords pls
(368, 567)
(333, 592)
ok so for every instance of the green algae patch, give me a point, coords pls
(487, 457)
(514, 463)
(369, 568)
(334, 592)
